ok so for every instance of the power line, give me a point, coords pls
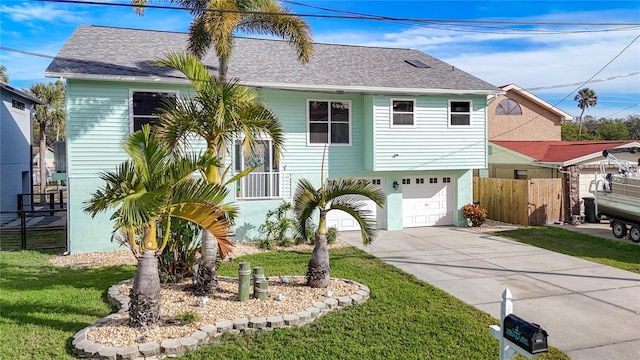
(352, 16)
(582, 83)
(576, 89)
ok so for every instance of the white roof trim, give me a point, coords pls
(544, 104)
(281, 86)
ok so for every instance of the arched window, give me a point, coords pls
(508, 107)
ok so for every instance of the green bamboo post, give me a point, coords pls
(258, 275)
(260, 289)
(244, 280)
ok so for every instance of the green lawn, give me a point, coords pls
(620, 254)
(42, 306)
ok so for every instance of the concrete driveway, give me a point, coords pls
(590, 311)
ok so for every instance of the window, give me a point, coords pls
(508, 107)
(264, 180)
(145, 105)
(17, 104)
(419, 180)
(406, 181)
(402, 112)
(520, 174)
(446, 180)
(329, 122)
(433, 180)
(459, 112)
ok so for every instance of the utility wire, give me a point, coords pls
(356, 16)
(576, 89)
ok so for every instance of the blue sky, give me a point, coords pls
(552, 61)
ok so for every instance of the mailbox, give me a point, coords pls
(529, 336)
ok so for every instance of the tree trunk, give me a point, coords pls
(207, 275)
(43, 160)
(222, 69)
(318, 270)
(144, 307)
(580, 127)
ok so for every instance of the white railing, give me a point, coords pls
(259, 185)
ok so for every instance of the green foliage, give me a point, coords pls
(49, 120)
(180, 254)
(187, 317)
(332, 235)
(475, 214)
(612, 130)
(278, 225)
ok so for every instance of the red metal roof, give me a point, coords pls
(560, 151)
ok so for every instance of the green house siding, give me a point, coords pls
(98, 120)
(431, 144)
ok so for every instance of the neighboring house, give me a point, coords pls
(576, 161)
(519, 115)
(410, 123)
(17, 110)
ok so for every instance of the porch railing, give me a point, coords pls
(259, 185)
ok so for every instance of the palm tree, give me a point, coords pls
(211, 28)
(219, 113)
(586, 98)
(339, 194)
(51, 113)
(156, 185)
(3, 74)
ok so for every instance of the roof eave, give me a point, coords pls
(282, 86)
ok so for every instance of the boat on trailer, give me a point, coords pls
(617, 196)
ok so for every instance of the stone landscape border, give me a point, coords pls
(207, 334)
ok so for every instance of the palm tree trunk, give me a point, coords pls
(580, 127)
(43, 161)
(207, 275)
(144, 306)
(222, 69)
(318, 270)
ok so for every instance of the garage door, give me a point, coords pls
(427, 201)
(345, 222)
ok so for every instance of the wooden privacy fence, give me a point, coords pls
(522, 202)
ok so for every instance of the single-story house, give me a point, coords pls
(412, 124)
(578, 162)
(16, 113)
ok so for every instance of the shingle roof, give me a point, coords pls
(96, 52)
(22, 94)
(562, 151)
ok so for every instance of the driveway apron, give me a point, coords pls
(590, 311)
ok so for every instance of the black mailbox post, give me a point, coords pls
(529, 336)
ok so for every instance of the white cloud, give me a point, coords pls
(32, 12)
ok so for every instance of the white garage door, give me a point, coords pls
(427, 201)
(345, 222)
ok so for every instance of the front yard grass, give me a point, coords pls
(42, 306)
(620, 254)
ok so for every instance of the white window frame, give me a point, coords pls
(132, 91)
(470, 113)
(329, 101)
(257, 178)
(391, 113)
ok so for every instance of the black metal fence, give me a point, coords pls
(33, 230)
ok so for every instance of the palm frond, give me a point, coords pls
(306, 200)
(336, 188)
(188, 64)
(357, 209)
(274, 19)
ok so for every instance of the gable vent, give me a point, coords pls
(417, 63)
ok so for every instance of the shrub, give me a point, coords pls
(278, 225)
(332, 235)
(181, 252)
(475, 214)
